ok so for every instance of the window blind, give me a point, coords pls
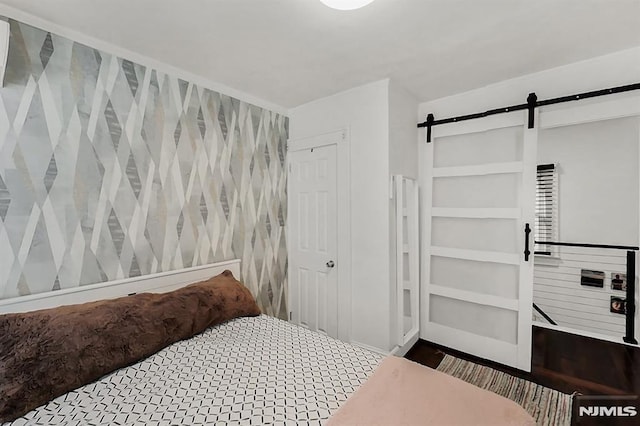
(546, 208)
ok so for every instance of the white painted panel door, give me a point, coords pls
(313, 239)
(480, 180)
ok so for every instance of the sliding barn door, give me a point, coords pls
(478, 192)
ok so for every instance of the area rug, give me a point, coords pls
(546, 406)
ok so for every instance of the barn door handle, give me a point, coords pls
(527, 231)
(331, 264)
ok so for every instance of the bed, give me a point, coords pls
(253, 371)
(261, 370)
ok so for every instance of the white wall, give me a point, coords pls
(403, 132)
(598, 180)
(598, 187)
(364, 112)
(616, 69)
(403, 160)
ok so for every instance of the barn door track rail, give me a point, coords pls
(531, 104)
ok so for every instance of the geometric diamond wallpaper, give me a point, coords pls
(110, 170)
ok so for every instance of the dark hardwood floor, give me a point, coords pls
(566, 362)
(589, 366)
(561, 361)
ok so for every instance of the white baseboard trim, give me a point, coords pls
(396, 351)
(370, 348)
(402, 350)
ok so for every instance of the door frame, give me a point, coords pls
(523, 305)
(339, 138)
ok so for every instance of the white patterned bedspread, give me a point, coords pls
(249, 371)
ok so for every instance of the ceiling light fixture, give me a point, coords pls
(346, 4)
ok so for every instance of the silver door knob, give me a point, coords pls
(331, 264)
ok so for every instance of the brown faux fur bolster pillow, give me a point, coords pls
(47, 353)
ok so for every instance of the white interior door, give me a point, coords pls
(479, 196)
(313, 238)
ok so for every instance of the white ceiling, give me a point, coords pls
(289, 52)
